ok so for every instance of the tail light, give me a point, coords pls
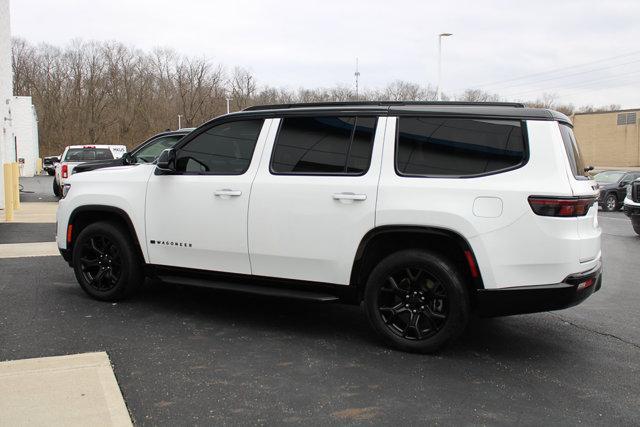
(65, 171)
(561, 206)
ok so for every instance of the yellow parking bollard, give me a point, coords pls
(38, 166)
(16, 185)
(8, 192)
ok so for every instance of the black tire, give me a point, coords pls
(56, 189)
(610, 203)
(106, 263)
(433, 293)
(636, 226)
(51, 172)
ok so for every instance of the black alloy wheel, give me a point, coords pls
(100, 263)
(417, 300)
(106, 262)
(413, 304)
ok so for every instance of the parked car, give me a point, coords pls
(74, 155)
(147, 152)
(49, 164)
(632, 204)
(613, 188)
(423, 212)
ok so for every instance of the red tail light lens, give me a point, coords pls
(561, 206)
(65, 171)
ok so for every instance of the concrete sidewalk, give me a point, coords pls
(19, 250)
(32, 212)
(75, 390)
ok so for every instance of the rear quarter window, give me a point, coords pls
(573, 153)
(458, 147)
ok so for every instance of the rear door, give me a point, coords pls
(582, 186)
(314, 197)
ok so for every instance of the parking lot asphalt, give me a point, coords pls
(37, 189)
(195, 356)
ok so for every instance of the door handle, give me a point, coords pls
(350, 196)
(225, 192)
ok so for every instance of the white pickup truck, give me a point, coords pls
(75, 154)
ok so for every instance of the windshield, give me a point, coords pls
(608, 177)
(87, 154)
(150, 152)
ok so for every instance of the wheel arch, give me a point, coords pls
(384, 240)
(82, 216)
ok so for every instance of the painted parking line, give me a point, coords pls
(74, 390)
(19, 250)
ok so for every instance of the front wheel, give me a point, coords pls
(636, 226)
(105, 262)
(416, 301)
(610, 203)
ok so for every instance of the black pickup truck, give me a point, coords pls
(632, 205)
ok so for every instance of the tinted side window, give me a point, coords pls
(457, 147)
(225, 149)
(324, 145)
(571, 147)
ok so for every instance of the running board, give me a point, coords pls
(299, 294)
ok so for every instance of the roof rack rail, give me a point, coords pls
(382, 104)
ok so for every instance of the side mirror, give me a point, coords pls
(588, 169)
(167, 160)
(128, 159)
(623, 184)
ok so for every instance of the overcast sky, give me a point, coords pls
(309, 43)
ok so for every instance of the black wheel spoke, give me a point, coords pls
(413, 303)
(100, 263)
(88, 263)
(94, 246)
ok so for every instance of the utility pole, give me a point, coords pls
(179, 121)
(440, 36)
(228, 105)
(357, 76)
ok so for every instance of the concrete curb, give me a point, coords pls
(79, 389)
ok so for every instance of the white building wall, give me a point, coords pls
(25, 127)
(6, 90)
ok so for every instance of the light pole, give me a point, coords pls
(228, 105)
(179, 121)
(440, 36)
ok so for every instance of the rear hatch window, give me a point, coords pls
(571, 147)
(88, 154)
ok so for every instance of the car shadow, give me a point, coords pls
(518, 337)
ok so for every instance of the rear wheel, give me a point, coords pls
(105, 262)
(416, 301)
(636, 226)
(56, 189)
(610, 203)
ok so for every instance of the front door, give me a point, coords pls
(197, 217)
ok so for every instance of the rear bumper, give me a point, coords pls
(532, 299)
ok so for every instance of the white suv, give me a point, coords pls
(424, 212)
(74, 155)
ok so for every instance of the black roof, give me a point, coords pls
(506, 110)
